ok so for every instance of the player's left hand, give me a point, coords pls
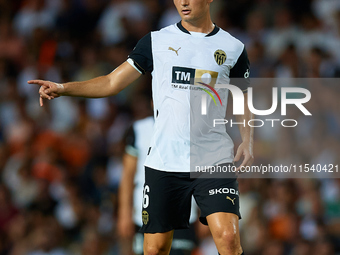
(246, 150)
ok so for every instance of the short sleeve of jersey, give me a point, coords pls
(142, 55)
(239, 74)
(130, 142)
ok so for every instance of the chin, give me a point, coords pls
(187, 19)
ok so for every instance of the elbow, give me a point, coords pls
(113, 91)
(113, 86)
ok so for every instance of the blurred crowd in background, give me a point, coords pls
(60, 165)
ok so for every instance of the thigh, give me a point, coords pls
(166, 201)
(217, 195)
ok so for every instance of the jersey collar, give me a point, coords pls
(215, 30)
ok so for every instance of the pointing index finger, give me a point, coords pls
(38, 82)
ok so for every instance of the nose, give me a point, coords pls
(184, 2)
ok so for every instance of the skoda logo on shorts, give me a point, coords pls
(145, 217)
(220, 57)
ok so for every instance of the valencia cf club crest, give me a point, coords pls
(145, 217)
(220, 57)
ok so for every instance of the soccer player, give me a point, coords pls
(193, 48)
(130, 220)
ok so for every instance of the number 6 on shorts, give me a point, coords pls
(145, 196)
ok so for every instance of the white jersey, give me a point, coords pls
(178, 61)
(137, 144)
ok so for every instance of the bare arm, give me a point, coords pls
(247, 133)
(102, 86)
(125, 197)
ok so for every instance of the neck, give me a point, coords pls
(202, 26)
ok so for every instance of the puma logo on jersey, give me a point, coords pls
(232, 200)
(170, 48)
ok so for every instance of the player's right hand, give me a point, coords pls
(48, 90)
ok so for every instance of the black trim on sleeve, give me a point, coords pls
(130, 137)
(239, 74)
(142, 55)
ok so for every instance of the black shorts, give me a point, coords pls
(167, 199)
